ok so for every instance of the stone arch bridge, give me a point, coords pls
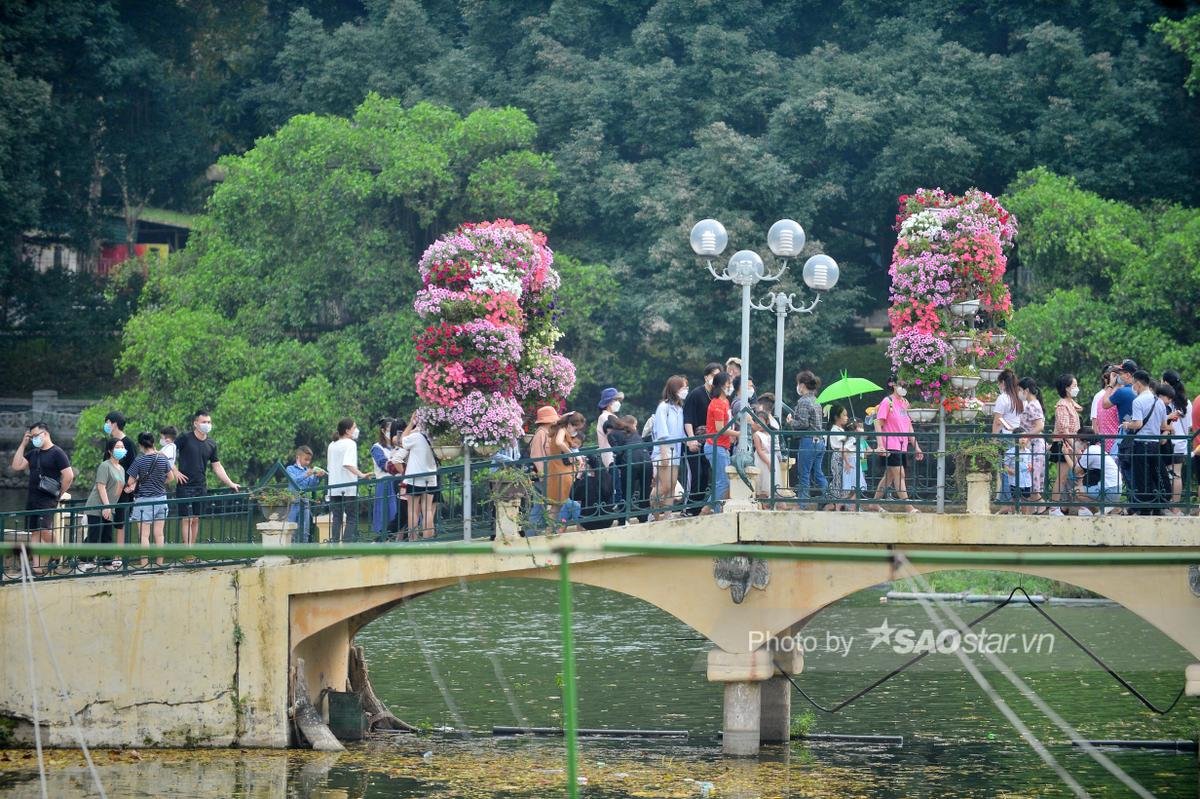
(205, 656)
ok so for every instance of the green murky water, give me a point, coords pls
(484, 654)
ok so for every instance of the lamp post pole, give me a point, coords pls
(745, 269)
(782, 304)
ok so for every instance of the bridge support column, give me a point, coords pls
(743, 674)
(775, 724)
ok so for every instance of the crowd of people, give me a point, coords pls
(1125, 452)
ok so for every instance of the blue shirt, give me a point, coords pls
(668, 422)
(299, 477)
(1123, 399)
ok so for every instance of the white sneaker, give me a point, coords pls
(1085, 512)
(1056, 512)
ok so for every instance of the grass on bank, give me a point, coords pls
(992, 582)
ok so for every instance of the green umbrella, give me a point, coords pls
(847, 387)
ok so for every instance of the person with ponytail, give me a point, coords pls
(1006, 417)
(1033, 419)
(1066, 426)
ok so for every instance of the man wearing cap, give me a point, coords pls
(609, 405)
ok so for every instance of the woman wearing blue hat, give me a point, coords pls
(609, 405)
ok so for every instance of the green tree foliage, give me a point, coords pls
(292, 306)
(1103, 280)
(1183, 36)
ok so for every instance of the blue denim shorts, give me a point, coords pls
(149, 509)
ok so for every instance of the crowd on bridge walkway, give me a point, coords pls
(1131, 456)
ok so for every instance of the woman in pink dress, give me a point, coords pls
(1106, 420)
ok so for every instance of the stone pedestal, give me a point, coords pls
(275, 533)
(1192, 675)
(743, 674)
(741, 496)
(320, 528)
(979, 493)
(508, 519)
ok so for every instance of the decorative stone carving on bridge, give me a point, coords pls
(739, 574)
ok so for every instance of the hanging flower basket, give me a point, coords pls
(485, 450)
(922, 415)
(964, 382)
(990, 375)
(965, 308)
(966, 414)
(997, 337)
(988, 406)
(445, 452)
(962, 342)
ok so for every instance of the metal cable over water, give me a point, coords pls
(1020, 684)
(918, 658)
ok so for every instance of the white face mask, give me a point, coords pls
(799, 391)
(206, 427)
(616, 406)
(1074, 392)
(354, 434)
(729, 391)
(682, 393)
(901, 391)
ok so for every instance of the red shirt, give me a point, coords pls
(718, 415)
(1196, 421)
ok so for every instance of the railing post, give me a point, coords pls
(466, 492)
(941, 461)
(570, 708)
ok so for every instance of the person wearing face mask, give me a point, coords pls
(609, 406)
(717, 446)
(668, 432)
(892, 419)
(695, 470)
(808, 423)
(102, 501)
(194, 451)
(344, 474)
(114, 427)
(1033, 419)
(50, 476)
(1066, 427)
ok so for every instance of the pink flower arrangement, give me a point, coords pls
(950, 249)
(488, 300)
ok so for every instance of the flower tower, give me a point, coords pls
(947, 283)
(486, 353)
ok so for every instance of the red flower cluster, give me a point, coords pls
(490, 375)
(454, 275)
(438, 342)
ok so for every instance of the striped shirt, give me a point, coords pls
(151, 473)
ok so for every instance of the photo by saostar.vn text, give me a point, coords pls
(905, 640)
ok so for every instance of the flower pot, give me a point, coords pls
(965, 308)
(988, 406)
(990, 375)
(966, 414)
(922, 414)
(445, 452)
(964, 381)
(998, 337)
(962, 343)
(273, 512)
(485, 450)
(503, 490)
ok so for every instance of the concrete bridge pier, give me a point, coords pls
(775, 725)
(743, 675)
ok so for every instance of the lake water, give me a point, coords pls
(484, 654)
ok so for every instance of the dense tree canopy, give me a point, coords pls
(1103, 280)
(292, 306)
(641, 117)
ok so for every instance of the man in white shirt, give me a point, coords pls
(342, 463)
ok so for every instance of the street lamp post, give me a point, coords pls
(820, 274)
(745, 269)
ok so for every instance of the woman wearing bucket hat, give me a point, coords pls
(609, 405)
(539, 451)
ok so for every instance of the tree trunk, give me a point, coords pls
(308, 719)
(378, 716)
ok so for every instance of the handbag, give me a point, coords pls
(49, 485)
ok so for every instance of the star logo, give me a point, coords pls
(882, 633)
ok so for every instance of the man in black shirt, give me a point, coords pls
(50, 475)
(695, 467)
(194, 451)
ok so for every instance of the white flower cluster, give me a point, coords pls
(922, 225)
(494, 277)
